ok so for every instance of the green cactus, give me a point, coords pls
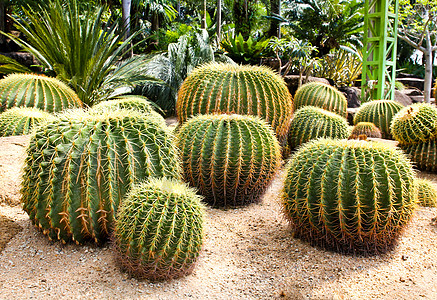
(159, 230)
(37, 91)
(415, 123)
(426, 193)
(244, 90)
(21, 120)
(350, 196)
(365, 128)
(230, 158)
(321, 95)
(424, 155)
(79, 167)
(311, 122)
(380, 113)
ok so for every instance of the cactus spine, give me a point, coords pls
(415, 123)
(321, 95)
(159, 229)
(426, 193)
(80, 166)
(351, 196)
(380, 113)
(365, 128)
(230, 158)
(21, 120)
(37, 91)
(312, 122)
(244, 90)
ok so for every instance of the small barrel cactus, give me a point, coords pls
(380, 113)
(321, 95)
(311, 122)
(37, 91)
(350, 196)
(159, 230)
(230, 158)
(21, 120)
(426, 192)
(424, 155)
(79, 167)
(365, 128)
(415, 123)
(244, 90)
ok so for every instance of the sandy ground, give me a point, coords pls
(248, 253)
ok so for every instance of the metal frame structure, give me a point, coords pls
(379, 53)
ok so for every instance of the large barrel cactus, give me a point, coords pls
(321, 95)
(367, 129)
(350, 196)
(380, 113)
(415, 123)
(159, 230)
(426, 192)
(244, 90)
(21, 120)
(424, 155)
(230, 158)
(311, 122)
(37, 91)
(79, 167)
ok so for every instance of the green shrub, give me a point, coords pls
(21, 120)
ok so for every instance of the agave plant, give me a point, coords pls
(80, 48)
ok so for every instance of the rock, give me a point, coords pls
(403, 99)
(352, 94)
(292, 82)
(351, 111)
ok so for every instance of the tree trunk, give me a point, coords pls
(155, 22)
(203, 21)
(219, 21)
(275, 27)
(2, 21)
(126, 6)
(427, 56)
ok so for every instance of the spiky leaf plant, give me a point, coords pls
(349, 196)
(424, 155)
(321, 95)
(79, 167)
(311, 122)
(380, 113)
(230, 158)
(365, 128)
(21, 120)
(244, 90)
(426, 192)
(159, 230)
(415, 123)
(37, 91)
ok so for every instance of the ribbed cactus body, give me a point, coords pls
(311, 122)
(321, 95)
(21, 120)
(365, 128)
(380, 113)
(244, 90)
(424, 155)
(230, 158)
(79, 167)
(415, 123)
(426, 192)
(37, 91)
(159, 230)
(350, 196)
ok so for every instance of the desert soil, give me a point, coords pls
(248, 253)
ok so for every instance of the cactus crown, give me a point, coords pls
(426, 192)
(321, 95)
(351, 196)
(21, 120)
(244, 90)
(367, 129)
(158, 232)
(38, 91)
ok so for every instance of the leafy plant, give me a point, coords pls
(244, 51)
(9, 65)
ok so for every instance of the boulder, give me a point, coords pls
(352, 94)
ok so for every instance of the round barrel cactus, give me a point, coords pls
(159, 230)
(380, 113)
(37, 91)
(244, 90)
(311, 122)
(365, 128)
(21, 120)
(79, 167)
(231, 159)
(321, 95)
(351, 196)
(424, 155)
(426, 192)
(415, 123)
